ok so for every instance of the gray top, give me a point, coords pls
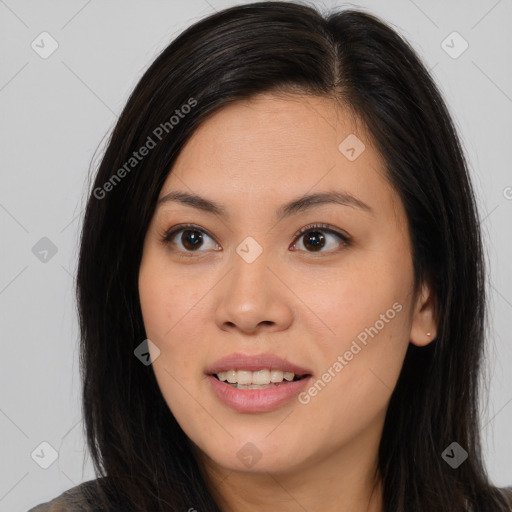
(76, 499)
(81, 498)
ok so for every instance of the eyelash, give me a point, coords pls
(168, 235)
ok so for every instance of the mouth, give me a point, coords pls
(259, 379)
(252, 383)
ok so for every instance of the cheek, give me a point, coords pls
(173, 314)
(169, 301)
(353, 298)
(366, 308)
(360, 365)
(168, 315)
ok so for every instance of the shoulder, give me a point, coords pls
(77, 499)
(506, 492)
(502, 498)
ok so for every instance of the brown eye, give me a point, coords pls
(315, 237)
(192, 239)
(314, 240)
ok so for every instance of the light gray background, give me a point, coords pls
(54, 114)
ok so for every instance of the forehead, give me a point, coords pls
(273, 128)
(272, 147)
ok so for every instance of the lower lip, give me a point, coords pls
(256, 400)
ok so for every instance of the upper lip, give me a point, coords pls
(254, 363)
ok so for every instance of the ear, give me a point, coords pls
(424, 323)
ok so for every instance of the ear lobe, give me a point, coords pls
(424, 324)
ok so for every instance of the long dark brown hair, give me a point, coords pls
(141, 456)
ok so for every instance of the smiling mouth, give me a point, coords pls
(257, 380)
(256, 391)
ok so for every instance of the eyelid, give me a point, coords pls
(168, 234)
(323, 227)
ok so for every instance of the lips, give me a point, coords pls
(256, 400)
(261, 400)
(238, 361)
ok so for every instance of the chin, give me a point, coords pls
(255, 454)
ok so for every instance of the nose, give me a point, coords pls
(252, 297)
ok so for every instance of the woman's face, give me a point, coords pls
(243, 281)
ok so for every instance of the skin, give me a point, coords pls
(306, 306)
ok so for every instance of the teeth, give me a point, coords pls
(260, 377)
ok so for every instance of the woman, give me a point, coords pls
(281, 286)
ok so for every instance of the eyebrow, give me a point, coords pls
(295, 206)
